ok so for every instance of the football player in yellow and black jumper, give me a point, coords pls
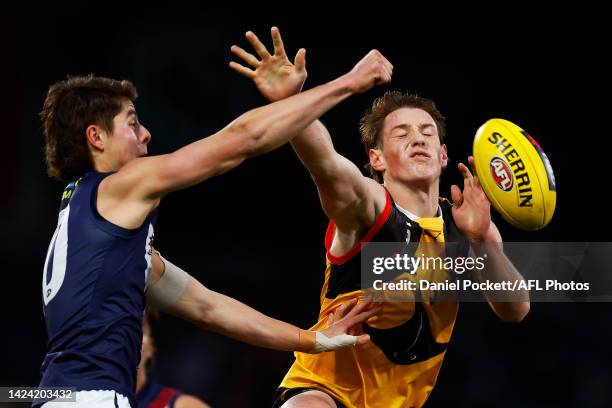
(404, 137)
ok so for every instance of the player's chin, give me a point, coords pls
(421, 175)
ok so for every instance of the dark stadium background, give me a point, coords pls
(256, 233)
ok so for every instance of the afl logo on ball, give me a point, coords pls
(501, 173)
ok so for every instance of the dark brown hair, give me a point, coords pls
(70, 107)
(371, 124)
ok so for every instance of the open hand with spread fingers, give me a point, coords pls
(275, 75)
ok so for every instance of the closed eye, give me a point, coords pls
(427, 129)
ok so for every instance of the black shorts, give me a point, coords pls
(283, 394)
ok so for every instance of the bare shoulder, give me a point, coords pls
(362, 213)
(378, 194)
(128, 179)
(189, 401)
(353, 227)
(119, 199)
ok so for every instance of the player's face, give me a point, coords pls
(130, 138)
(411, 149)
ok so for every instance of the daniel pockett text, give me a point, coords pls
(488, 272)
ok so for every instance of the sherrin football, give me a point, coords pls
(515, 174)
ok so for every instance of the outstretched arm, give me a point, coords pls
(225, 315)
(140, 184)
(347, 197)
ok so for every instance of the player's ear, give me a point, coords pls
(95, 137)
(377, 160)
(443, 156)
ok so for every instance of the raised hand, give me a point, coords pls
(273, 74)
(471, 207)
(373, 69)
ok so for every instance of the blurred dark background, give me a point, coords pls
(256, 233)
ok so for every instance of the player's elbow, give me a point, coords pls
(249, 137)
(204, 319)
(207, 315)
(516, 312)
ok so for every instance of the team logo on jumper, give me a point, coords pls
(501, 173)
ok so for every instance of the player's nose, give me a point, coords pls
(146, 136)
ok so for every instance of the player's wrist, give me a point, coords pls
(307, 341)
(486, 237)
(476, 238)
(347, 84)
(314, 342)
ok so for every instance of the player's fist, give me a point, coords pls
(373, 69)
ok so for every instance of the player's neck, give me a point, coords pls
(422, 201)
(104, 164)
